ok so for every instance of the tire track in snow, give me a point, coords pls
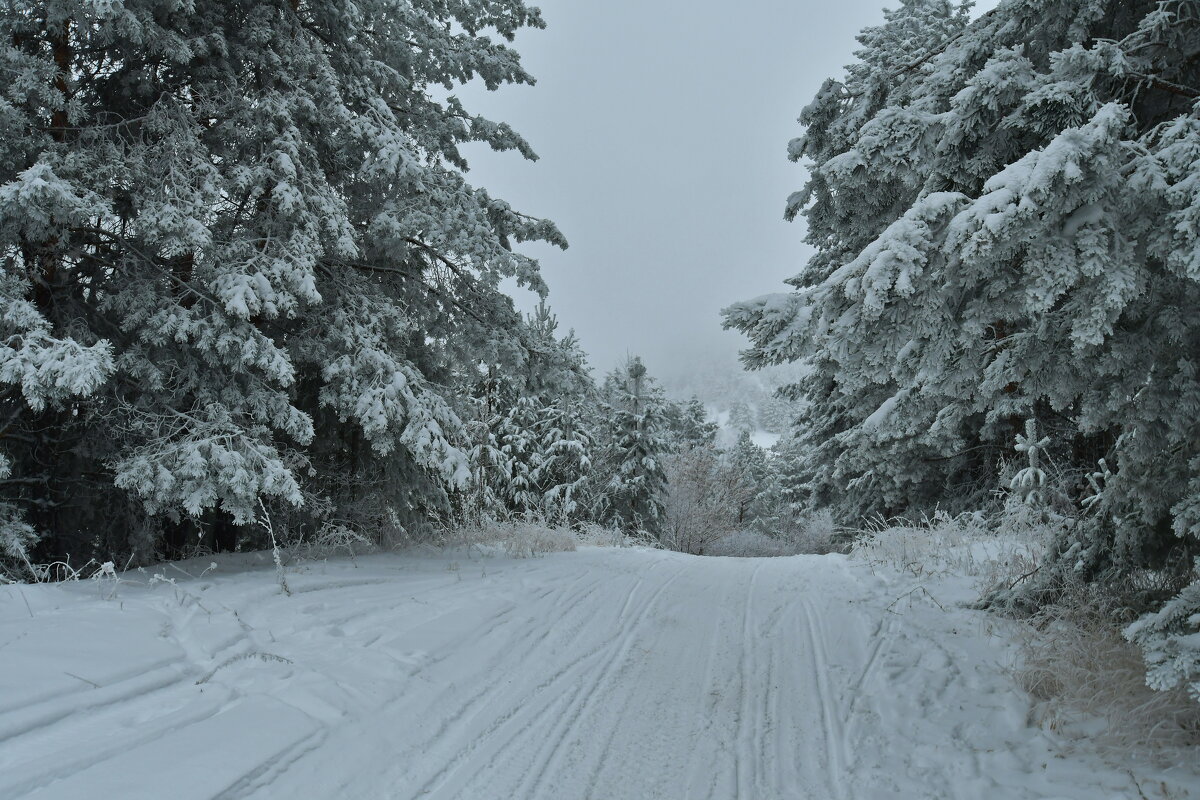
(261, 778)
(368, 610)
(525, 714)
(747, 762)
(502, 650)
(107, 730)
(835, 761)
(610, 670)
(708, 705)
(527, 641)
(157, 694)
(504, 653)
(770, 738)
(590, 685)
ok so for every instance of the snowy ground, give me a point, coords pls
(598, 674)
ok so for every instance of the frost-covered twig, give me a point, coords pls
(911, 591)
(270, 528)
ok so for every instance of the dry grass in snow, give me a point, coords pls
(1086, 682)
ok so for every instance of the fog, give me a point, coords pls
(662, 128)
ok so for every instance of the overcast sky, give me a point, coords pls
(662, 127)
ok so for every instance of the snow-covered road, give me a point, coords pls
(603, 673)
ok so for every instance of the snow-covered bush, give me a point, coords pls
(968, 544)
(746, 544)
(812, 532)
(528, 539)
(591, 534)
(749, 544)
(338, 536)
(808, 534)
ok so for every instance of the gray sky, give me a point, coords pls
(662, 127)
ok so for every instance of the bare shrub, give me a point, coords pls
(528, 540)
(704, 498)
(807, 534)
(592, 535)
(1089, 681)
(747, 544)
(524, 538)
(814, 532)
(1085, 678)
(335, 537)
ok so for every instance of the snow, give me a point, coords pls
(727, 435)
(764, 439)
(600, 673)
(880, 415)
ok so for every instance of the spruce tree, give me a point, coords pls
(525, 454)
(532, 419)
(491, 463)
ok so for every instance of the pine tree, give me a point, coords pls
(224, 222)
(632, 493)
(751, 463)
(567, 444)
(1005, 214)
(555, 367)
(689, 425)
(742, 418)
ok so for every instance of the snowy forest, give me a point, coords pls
(246, 278)
(253, 302)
